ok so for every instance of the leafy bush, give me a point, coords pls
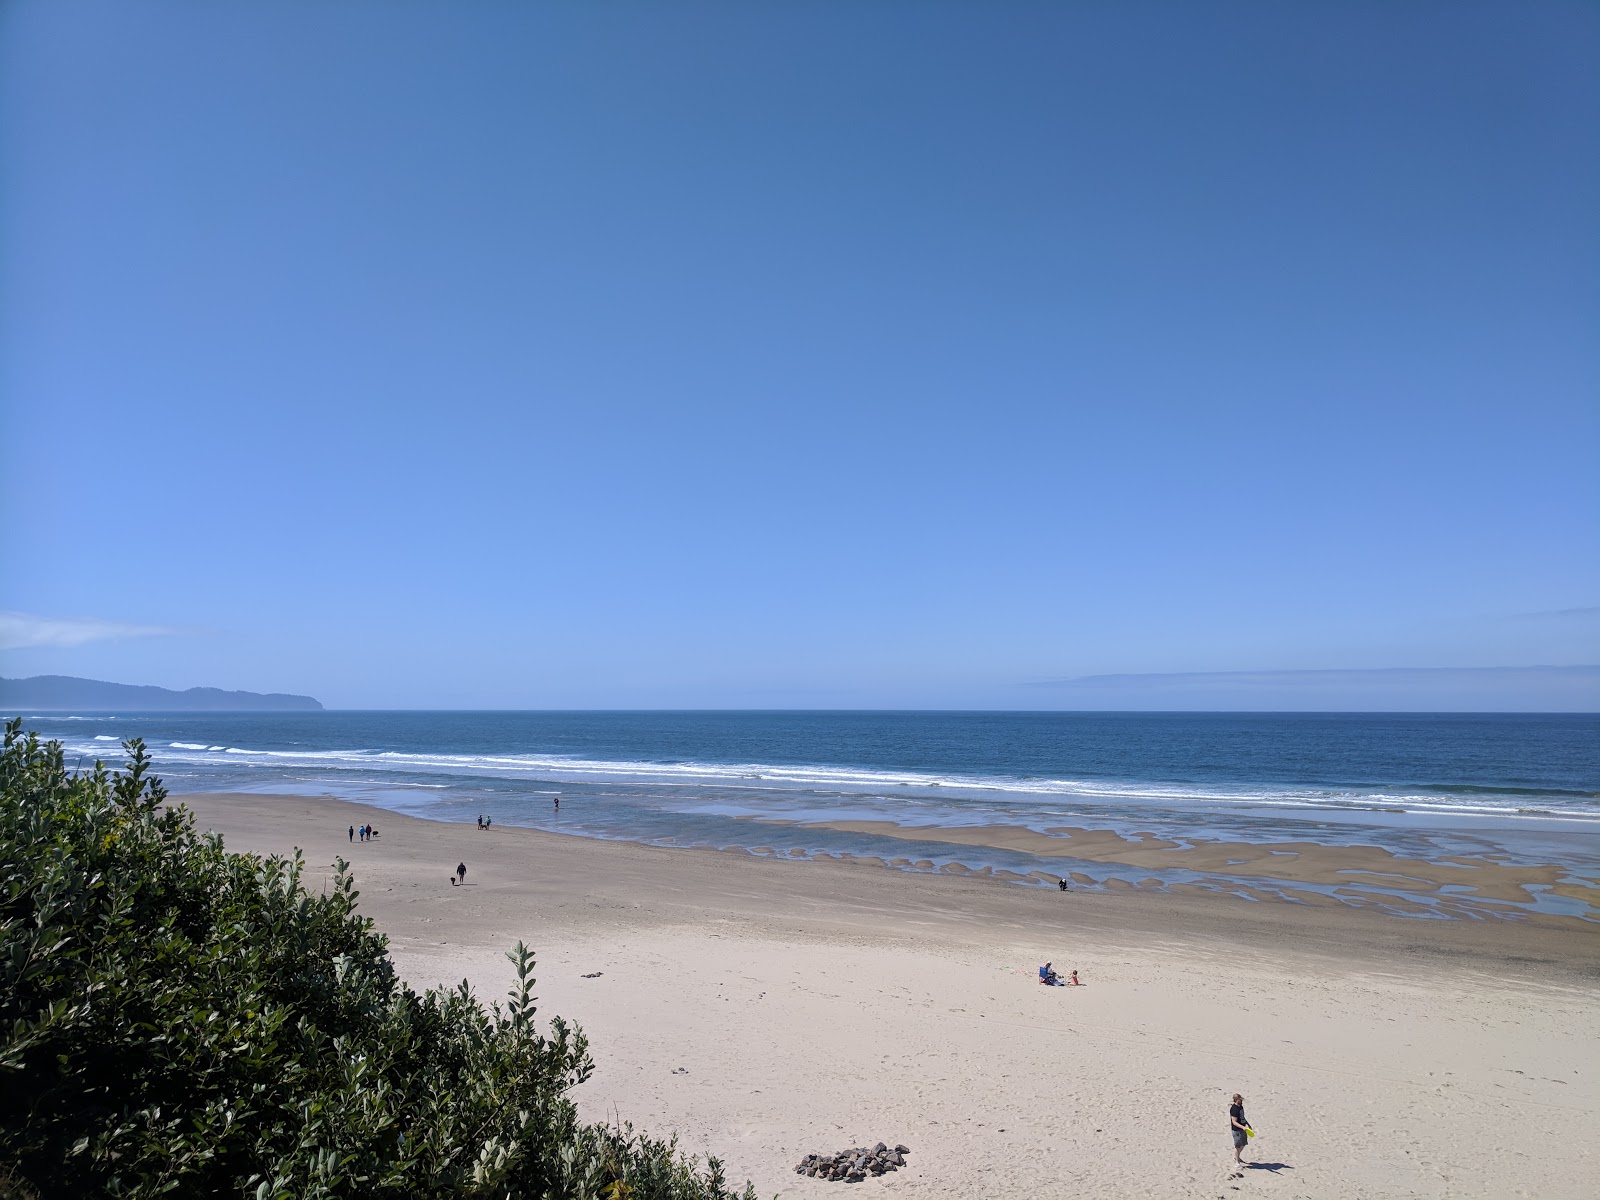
(176, 1019)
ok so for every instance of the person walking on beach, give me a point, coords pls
(461, 872)
(352, 833)
(1238, 1126)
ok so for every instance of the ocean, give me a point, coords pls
(1517, 788)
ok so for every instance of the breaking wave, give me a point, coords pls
(959, 790)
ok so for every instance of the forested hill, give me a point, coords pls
(56, 692)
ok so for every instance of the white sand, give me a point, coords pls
(818, 1006)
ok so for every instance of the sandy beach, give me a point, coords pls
(765, 1009)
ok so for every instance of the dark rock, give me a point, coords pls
(852, 1165)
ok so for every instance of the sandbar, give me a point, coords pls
(1472, 880)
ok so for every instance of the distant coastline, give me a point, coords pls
(57, 693)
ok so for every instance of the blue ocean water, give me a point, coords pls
(1520, 787)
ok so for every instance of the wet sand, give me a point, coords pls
(1472, 881)
(765, 1008)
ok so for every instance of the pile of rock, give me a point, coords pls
(855, 1164)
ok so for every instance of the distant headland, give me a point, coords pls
(45, 692)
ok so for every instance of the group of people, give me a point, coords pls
(485, 822)
(365, 832)
(1048, 977)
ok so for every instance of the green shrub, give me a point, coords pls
(176, 1019)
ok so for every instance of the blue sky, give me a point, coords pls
(801, 355)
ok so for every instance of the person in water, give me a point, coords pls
(1238, 1126)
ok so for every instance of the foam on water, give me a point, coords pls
(954, 788)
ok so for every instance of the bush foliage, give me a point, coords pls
(179, 1020)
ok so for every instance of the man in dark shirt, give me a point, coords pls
(1237, 1125)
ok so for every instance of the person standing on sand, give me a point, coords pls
(1238, 1126)
(352, 833)
(461, 872)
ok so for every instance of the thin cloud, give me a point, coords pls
(1278, 679)
(25, 631)
(1592, 610)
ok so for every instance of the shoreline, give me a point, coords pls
(765, 1008)
(1439, 887)
(1249, 917)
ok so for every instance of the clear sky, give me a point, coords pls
(801, 354)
